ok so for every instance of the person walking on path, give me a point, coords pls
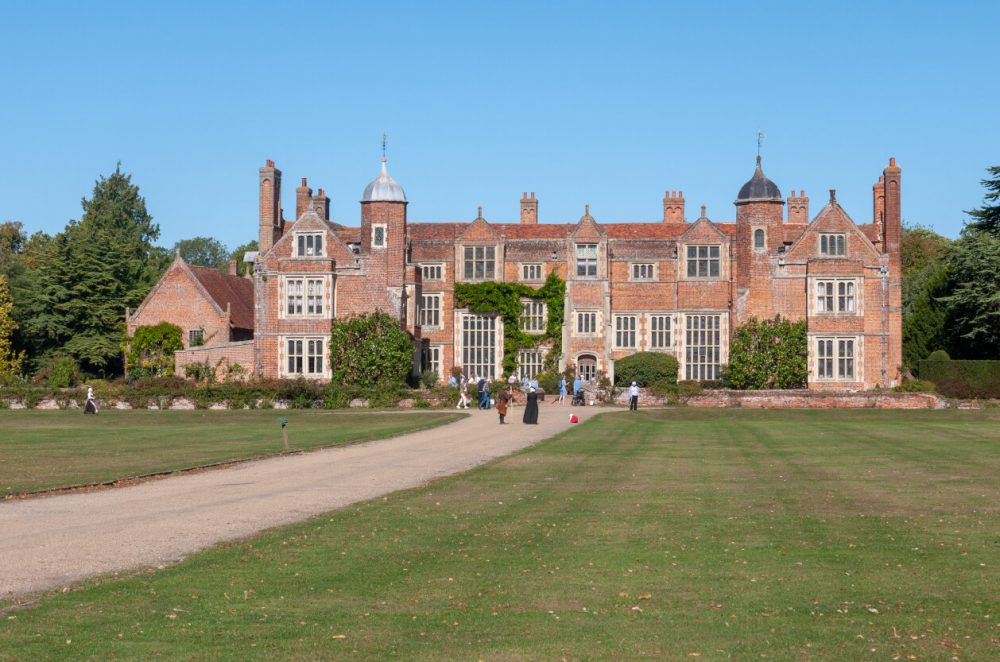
(578, 390)
(463, 392)
(483, 392)
(633, 397)
(531, 408)
(562, 389)
(503, 397)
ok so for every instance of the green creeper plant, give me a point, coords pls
(766, 354)
(150, 351)
(504, 299)
(370, 350)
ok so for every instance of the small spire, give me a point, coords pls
(479, 213)
(833, 195)
(385, 139)
(586, 210)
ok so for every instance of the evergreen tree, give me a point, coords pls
(88, 274)
(987, 217)
(973, 305)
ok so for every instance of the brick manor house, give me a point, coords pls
(672, 285)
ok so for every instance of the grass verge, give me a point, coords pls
(42, 450)
(677, 534)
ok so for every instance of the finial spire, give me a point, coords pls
(385, 139)
(703, 211)
(760, 139)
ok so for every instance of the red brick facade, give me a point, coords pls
(673, 285)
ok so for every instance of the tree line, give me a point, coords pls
(63, 297)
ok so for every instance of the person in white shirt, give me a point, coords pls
(633, 397)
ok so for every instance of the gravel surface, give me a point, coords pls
(53, 541)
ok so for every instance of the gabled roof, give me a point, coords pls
(223, 290)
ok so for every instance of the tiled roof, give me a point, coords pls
(792, 231)
(233, 290)
(870, 230)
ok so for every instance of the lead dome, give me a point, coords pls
(759, 188)
(383, 189)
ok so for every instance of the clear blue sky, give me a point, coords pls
(606, 103)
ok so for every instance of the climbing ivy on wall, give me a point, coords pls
(504, 299)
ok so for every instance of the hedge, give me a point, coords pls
(963, 379)
(647, 369)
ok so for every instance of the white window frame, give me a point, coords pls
(832, 244)
(487, 258)
(532, 272)
(305, 244)
(708, 260)
(586, 260)
(626, 331)
(385, 236)
(299, 357)
(530, 362)
(661, 332)
(836, 358)
(303, 297)
(430, 310)
(432, 271)
(587, 323)
(432, 359)
(534, 316)
(703, 346)
(639, 271)
(837, 296)
(481, 340)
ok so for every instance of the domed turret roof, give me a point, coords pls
(759, 188)
(383, 189)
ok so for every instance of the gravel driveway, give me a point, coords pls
(51, 542)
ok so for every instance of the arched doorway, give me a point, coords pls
(587, 367)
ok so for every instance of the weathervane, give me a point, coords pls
(760, 139)
(385, 139)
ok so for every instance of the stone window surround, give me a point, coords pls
(283, 356)
(325, 296)
(438, 296)
(597, 326)
(753, 236)
(813, 303)
(302, 248)
(432, 266)
(723, 261)
(652, 267)
(626, 330)
(857, 358)
(827, 236)
(385, 237)
(524, 267)
(460, 264)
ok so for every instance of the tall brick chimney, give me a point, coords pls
(798, 208)
(302, 196)
(892, 226)
(529, 209)
(878, 204)
(673, 207)
(321, 204)
(270, 222)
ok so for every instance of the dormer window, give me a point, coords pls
(378, 236)
(586, 260)
(703, 261)
(832, 245)
(309, 245)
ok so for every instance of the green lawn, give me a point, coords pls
(43, 449)
(676, 534)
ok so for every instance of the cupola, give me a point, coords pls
(383, 189)
(759, 188)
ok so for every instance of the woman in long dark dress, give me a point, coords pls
(531, 408)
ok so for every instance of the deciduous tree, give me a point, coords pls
(203, 252)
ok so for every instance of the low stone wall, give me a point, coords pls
(817, 400)
(221, 357)
(804, 399)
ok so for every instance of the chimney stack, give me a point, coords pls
(321, 204)
(673, 207)
(302, 196)
(270, 223)
(233, 271)
(529, 209)
(878, 203)
(798, 208)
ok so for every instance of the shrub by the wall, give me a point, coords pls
(766, 354)
(647, 369)
(963, 379)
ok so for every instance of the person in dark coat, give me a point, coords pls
(531, 408)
